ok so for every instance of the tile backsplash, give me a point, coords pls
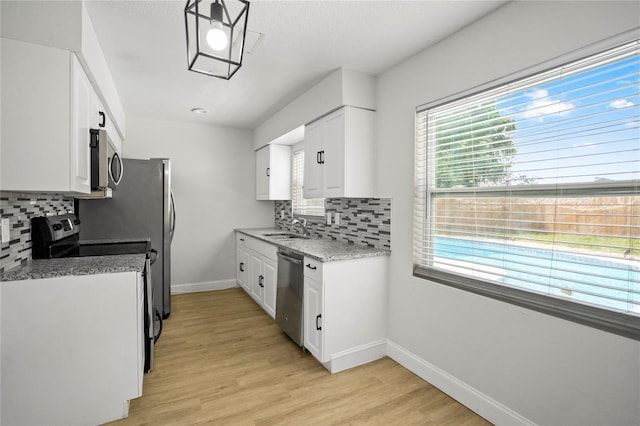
(364, 221)
(19, 208)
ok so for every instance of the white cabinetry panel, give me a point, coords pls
(48, 106)
(339, 155)
(71, 348)
(273, 173)
(259, 278)
(345, 311)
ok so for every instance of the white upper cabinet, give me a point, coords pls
(313, 170)
(66, 26)
(339, 155)
(273, 173)
(47, 109)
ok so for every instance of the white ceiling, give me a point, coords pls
(144, 45)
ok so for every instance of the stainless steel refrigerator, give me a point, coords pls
(141, 207)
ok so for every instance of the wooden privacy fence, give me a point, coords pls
(610, 216)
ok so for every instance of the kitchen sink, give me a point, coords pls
(286, 236)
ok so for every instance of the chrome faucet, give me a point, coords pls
(302, 222)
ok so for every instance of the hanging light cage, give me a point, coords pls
(202, 57)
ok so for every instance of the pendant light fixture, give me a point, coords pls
(216, 31)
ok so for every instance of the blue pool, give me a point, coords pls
(588, 279)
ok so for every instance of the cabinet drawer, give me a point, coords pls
(313, 269)
(241, 240)
(268, 250)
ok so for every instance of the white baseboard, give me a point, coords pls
(358, 356)
(470, 397)
(203, 286)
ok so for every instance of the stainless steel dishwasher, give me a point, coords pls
(289, 294)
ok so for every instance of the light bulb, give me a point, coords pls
(216, 37)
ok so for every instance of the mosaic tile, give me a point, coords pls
(19, 208)
(365, 221)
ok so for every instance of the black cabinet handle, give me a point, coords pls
(241, 239)
(308, 265)
(268, 171)
(318, 327)
(318, 157)
(321, 157)
(241, 266)
(104, 119)
(261, 281)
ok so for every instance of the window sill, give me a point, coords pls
(613, 322)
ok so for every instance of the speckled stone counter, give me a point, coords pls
(320, 249)
(51, 268)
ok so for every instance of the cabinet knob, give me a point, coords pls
(308, 265)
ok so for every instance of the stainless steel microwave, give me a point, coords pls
(106, 163)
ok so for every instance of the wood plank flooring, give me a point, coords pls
(222, 360)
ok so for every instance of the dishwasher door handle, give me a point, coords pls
(290, 259)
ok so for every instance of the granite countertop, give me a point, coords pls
(51, 268)
(321, 249)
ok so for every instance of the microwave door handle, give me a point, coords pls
(117, 158)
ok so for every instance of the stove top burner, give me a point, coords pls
(58, 236)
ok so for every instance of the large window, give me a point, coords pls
(529, 192)
(303, 206)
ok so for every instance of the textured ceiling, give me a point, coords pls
(144, 45)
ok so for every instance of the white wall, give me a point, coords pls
(530, 366)
(213, 180)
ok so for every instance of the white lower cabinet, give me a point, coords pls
(72, 348)
(312, 300)
(345, 310)
(257, 270)
(344, 302)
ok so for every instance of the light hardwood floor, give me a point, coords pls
(222, 360)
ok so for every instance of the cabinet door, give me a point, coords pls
(243, 260)
(82, 105)
(313, 334)
(333, 145)
(313, 168)
(270, 286)
(256, 278)
(262, 173)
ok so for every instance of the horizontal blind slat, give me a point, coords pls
(536, 184)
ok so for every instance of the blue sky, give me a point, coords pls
(590, 122)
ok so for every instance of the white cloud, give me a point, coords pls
(543, 105)
(621, 103)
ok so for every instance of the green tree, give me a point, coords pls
(474, 148)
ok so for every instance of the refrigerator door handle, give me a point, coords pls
(173, 216)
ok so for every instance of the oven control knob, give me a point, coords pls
(57, 226)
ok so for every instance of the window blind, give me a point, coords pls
(534, 186)
(301, 205)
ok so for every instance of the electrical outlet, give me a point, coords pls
(328, 221)
(5, 230)
(336, 218)
(281, 214)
